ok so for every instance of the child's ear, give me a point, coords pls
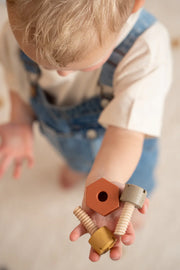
(137, 5)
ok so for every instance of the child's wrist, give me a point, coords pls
(93, 178)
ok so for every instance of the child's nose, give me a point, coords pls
(64, 72)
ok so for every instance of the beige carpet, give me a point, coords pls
(36, 216)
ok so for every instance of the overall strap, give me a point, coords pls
(144, 21)
(30, 66)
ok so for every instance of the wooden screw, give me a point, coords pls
(102, 239)
(133, 196)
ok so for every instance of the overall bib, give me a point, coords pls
(74, 131)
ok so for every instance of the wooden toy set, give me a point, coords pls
(104, 201)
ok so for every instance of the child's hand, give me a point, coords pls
(16, 146)
(109, 221)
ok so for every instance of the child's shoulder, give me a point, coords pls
(5, 29)
(8, 47)
(6, 35)
(156, 38)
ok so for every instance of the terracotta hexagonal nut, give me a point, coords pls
(102, 196)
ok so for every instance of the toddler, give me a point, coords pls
(94, 74)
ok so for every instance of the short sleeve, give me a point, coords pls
(14, 73)
(141, 82)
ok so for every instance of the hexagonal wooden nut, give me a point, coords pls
(102, 196)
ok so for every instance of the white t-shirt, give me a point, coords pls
(140, 84)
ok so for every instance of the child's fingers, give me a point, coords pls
(2, 151)
(5, 162)
(129, 237)
(116, 251)
(30, 160)
(18, 168)
(93, 255)
(145, 207)
(77, 232)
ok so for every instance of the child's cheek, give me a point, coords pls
(64, 73)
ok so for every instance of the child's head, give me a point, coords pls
(59, 33)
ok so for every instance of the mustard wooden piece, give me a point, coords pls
(102, 239)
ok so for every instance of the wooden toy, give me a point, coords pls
(102, 196)
(133, 196)
(102, 239)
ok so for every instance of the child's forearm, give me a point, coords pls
(21, 112)
(118, 156)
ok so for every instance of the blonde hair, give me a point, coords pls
(64, 31)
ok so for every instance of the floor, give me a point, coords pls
(36, 216)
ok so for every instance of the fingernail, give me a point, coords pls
(116, 258)
(145, 208)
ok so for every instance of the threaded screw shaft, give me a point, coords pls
(85, 219)
(124, 219)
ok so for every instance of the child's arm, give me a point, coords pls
(116, 161)
(21, 113)
(17, 137)
(118, 156)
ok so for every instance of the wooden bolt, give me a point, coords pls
(85, 219)
(133, 196)
(102, 239)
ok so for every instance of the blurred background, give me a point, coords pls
(36, 215)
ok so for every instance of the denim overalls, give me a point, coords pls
(74, 130)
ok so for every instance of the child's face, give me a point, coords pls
(94, 59)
